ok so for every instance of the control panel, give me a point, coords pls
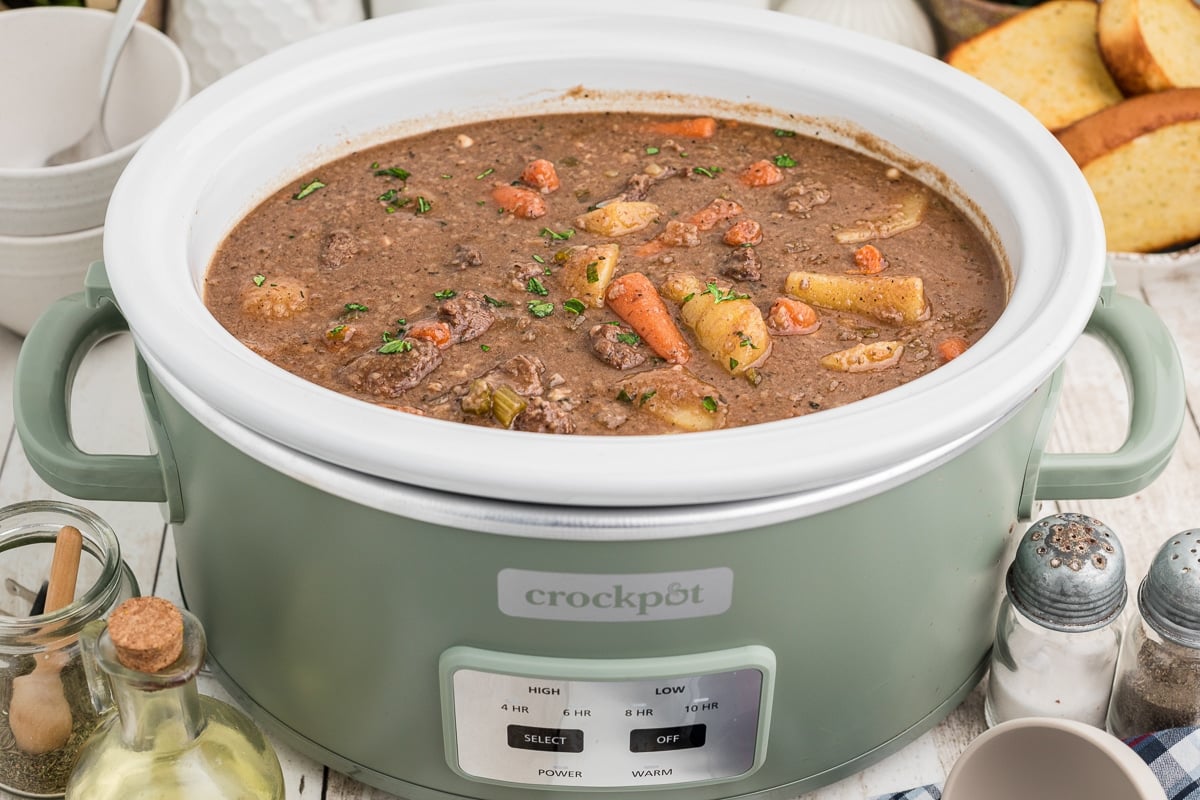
(594, 723)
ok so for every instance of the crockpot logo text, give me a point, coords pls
(589, 597)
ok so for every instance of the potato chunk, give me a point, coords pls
(587, 271)
(907, 214)
(865, 357)
(676, 396)
(894, 299)
(727, 324)
(620, 218)
(274, 300)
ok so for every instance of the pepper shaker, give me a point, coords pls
(1057, 643)
(1158, 676)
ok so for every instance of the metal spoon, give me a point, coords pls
(95, 141)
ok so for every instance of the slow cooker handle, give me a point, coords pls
(46, 368)
(1147, 354)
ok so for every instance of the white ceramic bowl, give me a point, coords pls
(49, 95)
(37, 270)
(1040, 758)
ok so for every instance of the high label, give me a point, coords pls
(586, 597)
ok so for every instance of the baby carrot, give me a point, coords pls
(717, 211)
(747, 232)
(869, 261)
(952, 348)
(431, 330)
(791, 317)
(541, 175)
(633, 298)
(518, 201)
(698, 128)
(761, 173)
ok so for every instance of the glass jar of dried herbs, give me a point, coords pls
(1158, 675)
(46, 706)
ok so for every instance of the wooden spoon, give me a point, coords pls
(38, 713)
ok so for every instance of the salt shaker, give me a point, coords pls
(1158, 676)
(1057, 637)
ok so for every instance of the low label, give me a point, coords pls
(587, 597)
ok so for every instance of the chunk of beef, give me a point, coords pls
(743, 264)
(637, 188)
(806, 195)
(680, 234)
(544, 416)
(465, 256)
(339, 249)
(521, 273)
(391, 374)
(469, 315)
(616, 345)
(521, 373)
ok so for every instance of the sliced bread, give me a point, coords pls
(1046, 59)
(1142, 160)
(1150, 45)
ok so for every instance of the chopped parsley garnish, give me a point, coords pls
(356, 307)
(687, 297)
(445, 294)
(423, 205)
(720, 296)
(629, 338)
(710, 404)
(574, 305)
(336, 331)
(624, 397)
(563, 236)
(538, 259)
(782, 134)
(784, 160)
(708, 172)
(540, 308)
(308, 189)
(534, 286)
(484, 174)
(394, 172)
(593, 276)
(652, 151)
(446, 176)
(388, 196)
(485, 347)
(646, 396)
(396, 346)
(259, 280)
(491, 301)
(744, 341)
(374, 165)
(733, 362)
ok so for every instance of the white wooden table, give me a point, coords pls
(1092, 417)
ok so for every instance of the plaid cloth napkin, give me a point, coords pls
(1173, 756)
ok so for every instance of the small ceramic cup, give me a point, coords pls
(50, 96)
(1043, 758)
(37, 270)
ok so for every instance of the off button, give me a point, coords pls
(556, 740)
(650, 740)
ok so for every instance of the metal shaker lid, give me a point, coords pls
(1069, 573)
(1169, 596)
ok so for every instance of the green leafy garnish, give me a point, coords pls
(708, 172)
(308, 189)
(784, 160)
(388, 196)
(646, 396)
(687, 297)
(593, 276)
(629, 338)
(484, 174)
(574, 305)
(709, 403)
(720, 296)
(396, 346)
(445, 294)
(733, 362)
(538, 258)
(485, 347)
(356, 307)
(446, 176)
(563, 236)
(782, 134)
(534, 286)
(394, 172)
(624, 397)
(423, 205)
(652, 151)
(491, 301)
(259, 280)
(540, 308)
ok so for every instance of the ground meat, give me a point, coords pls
(469, 315)
(522, 374)
(608, 346)
(465, 256)
(805, 195)
(543, 416)
(339, 249)
(390, 374)
(743, 264)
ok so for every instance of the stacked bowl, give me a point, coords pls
(52, 217)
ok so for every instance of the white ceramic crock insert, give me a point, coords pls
(274, 120)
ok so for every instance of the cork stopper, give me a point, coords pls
(147, 633)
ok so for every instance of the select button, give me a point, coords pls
(557, 740)
(649, 740)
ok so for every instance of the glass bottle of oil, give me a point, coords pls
(164, 740)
